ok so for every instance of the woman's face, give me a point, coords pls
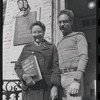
(37, 33)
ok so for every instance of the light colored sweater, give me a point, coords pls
(73, 51)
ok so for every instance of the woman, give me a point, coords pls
(47, 57)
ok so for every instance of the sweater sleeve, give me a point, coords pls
(83, 54)
(55, 77)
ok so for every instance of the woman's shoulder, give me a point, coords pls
(50, 44)
(47, 42)
(28, 45)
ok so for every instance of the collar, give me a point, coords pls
(38, 44)
(43, 46)
(70, 34)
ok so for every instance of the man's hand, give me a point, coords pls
(74, 88)
(54, 93)
(28, 79)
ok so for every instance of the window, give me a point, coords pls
(87, 22)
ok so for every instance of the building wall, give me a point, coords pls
(57, 6)
(11, 52)
(4, 8)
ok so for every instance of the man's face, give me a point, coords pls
(64, 23)
(37, 33)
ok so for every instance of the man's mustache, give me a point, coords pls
(62, 27)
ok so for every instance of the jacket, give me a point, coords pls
(47, 57)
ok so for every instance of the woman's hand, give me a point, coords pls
(28, 79)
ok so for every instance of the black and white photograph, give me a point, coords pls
(49, 50)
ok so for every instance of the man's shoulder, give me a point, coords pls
(71, 35)
(77, 33)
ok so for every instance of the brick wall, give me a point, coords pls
(10, 52)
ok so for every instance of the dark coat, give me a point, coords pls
(48, 61)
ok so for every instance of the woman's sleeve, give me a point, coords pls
(55, 77)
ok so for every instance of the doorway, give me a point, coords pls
(85, 21)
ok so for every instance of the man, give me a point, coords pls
(46, 53)
(73, 57)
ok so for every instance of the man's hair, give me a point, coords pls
(39, 24)
(67, 12)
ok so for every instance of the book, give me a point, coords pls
(30, 66)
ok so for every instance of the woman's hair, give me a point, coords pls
(67, 12)
(39, 24)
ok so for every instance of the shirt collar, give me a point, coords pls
(38, 44)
